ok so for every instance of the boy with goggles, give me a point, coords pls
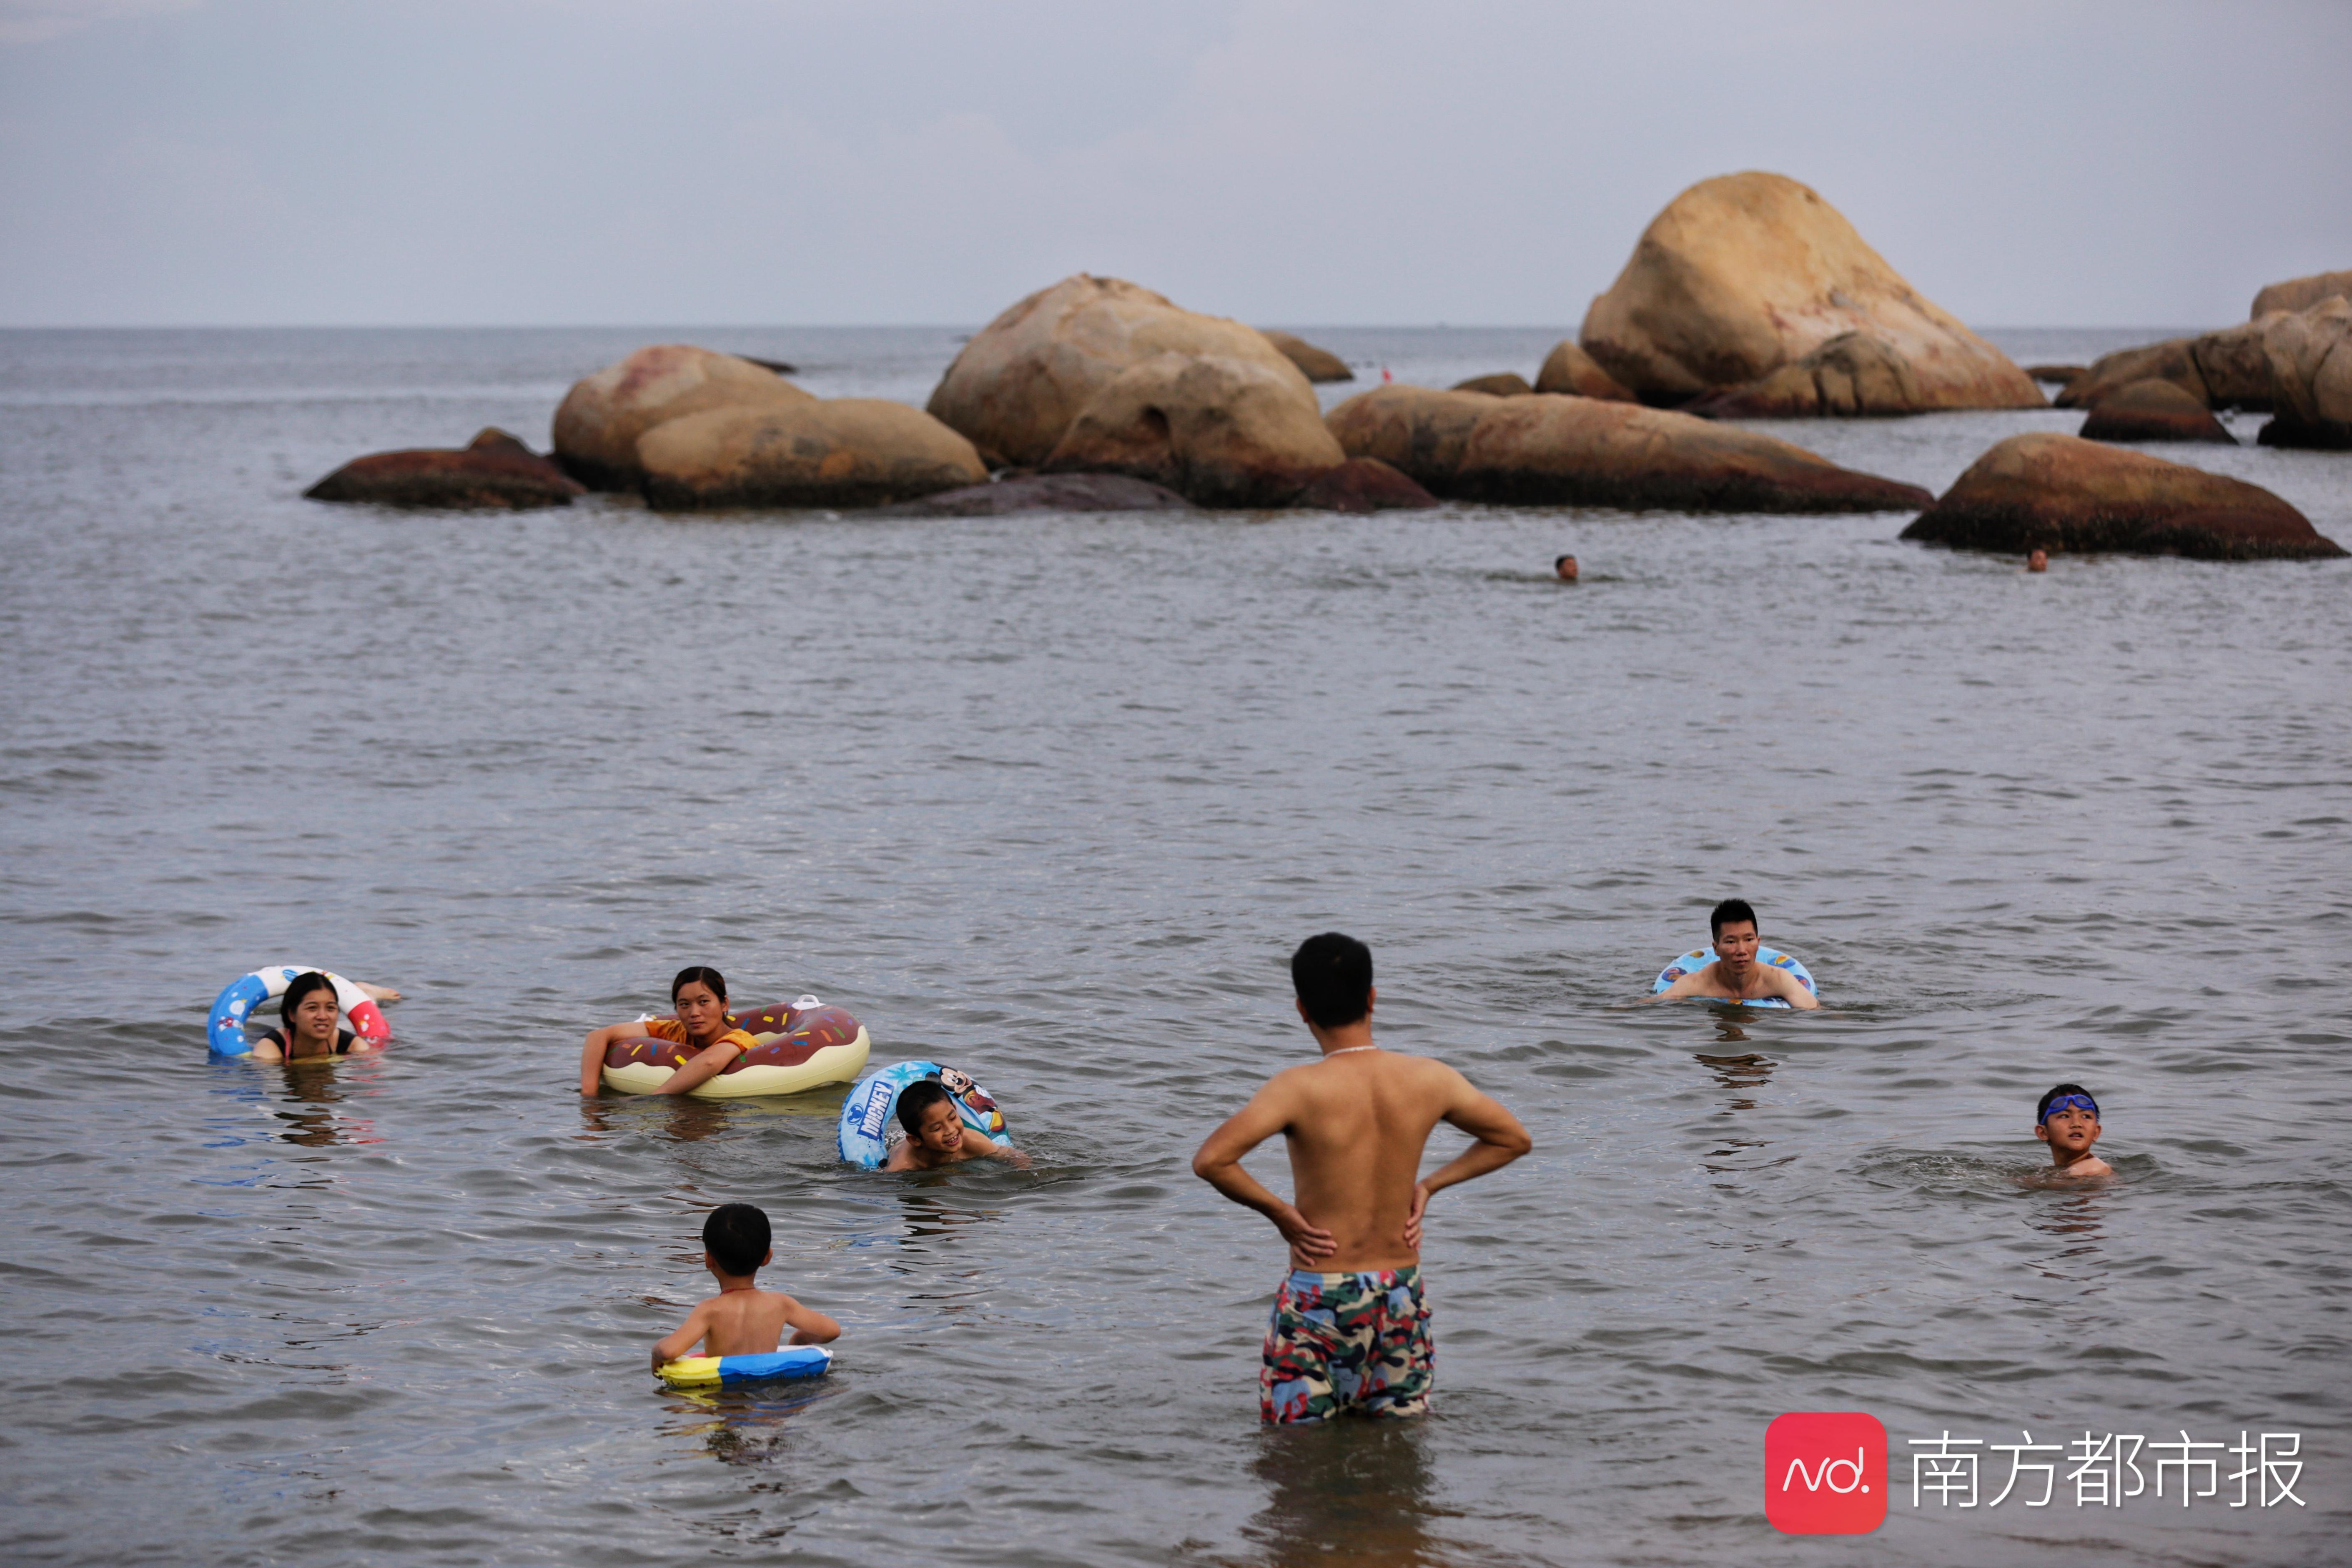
(2068, 1121)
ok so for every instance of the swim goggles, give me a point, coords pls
(2072, 1102)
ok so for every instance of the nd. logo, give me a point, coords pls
(1825, 1473)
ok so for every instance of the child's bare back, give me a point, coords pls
(741, 1319)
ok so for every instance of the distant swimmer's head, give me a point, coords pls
(1564, 567)
(310, 1008)
(735, 1240)
(1333, 976)
(2068, 1121)
(928, 1112)
(1733, 926)
(2037, 562)
(699, 997)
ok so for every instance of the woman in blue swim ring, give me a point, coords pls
(1738, 968)
(313, 1005)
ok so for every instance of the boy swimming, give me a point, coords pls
(741, 1319)
(937, 1137)
(2068, 1121)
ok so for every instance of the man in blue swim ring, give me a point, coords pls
(1735, 976)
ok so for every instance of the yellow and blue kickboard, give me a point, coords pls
(711, 1371)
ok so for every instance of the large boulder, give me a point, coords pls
(1418, 431)
(600, 419)
(1569, 369)
(1220, 432)
(2301, 293)
(1501, 384)
(1044, 493)
(2310, 354)
(2049, 492)
(2058, 375)
(1549, 450)
(1316, 364)
(494, 471)
(1852, 374)
(836, 452)
(1363, 485)
(1746, 273)
(2153, 411)
(1021, 383)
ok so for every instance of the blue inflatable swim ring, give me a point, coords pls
(706, 1371)
(1691, 963)
(869, 1131)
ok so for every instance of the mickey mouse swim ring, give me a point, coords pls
(225, 1030)
(1692, 963)
(868, 1130)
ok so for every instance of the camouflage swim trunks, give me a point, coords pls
(1338, 1342)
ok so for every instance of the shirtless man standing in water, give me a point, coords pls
(1735, 976)
(1350, 1330)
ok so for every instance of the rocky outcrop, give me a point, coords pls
(2153, 411)
(1021, 383)
(2055, 493)
(2301, 293)
(1418, 431)
(1502, 384)
(2169, 361)
(839, 451)
(1316, 364)
(1850, 376)
(1362, 484)
(1570, 369)
(493, 471)
(2227, 369)
(1220, 432)
(1746, 273)
(598, 423)
(1548, 450)
(2234, 366)
(2057, 375)
(2310, 354)
(1044, 493)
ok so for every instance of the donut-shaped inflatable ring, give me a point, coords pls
(803, 1045)
(710, 1371)
(225, 1030)
(1692, 963)
(870, 1130)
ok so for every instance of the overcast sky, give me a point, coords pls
(618, 161)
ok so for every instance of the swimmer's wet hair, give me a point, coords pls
(736, 1236)
(919, 1097)
(702, 972)
(1333, 976)
(1729, 910)
(302, 985)
(2041, 1111)
(1558, 558)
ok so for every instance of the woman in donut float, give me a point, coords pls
(1738, 968)
(314, 1005)
(705, 1051)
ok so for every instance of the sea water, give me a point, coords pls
(1052, 798)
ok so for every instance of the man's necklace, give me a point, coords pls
(1345, 1050)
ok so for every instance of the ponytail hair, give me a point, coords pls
(702, 972)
